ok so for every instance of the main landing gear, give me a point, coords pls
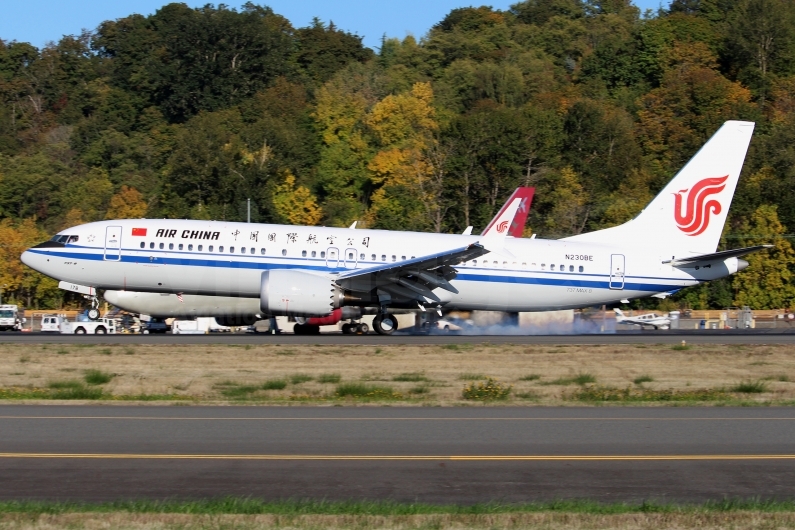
(385, 324)
(355, 329)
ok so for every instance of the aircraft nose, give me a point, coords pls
(27, 258)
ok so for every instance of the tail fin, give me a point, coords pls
(619, 314)
(688, 214)
(516, 225)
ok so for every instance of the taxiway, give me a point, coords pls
(438, 455)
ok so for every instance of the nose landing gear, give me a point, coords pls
(93, 313)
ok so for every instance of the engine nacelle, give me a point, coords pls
(288, 292)
(341, 313)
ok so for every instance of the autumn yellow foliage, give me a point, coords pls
(296, 205)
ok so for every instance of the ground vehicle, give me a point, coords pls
(51, 323)
(10, 318)
(199, 326)
(94, 327)
(153, 325)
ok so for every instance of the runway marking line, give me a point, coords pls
(167, 418)
(469, 458)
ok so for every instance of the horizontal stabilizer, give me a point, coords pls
(735, 253)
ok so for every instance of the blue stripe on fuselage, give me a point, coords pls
(463, 275)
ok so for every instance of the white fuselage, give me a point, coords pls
(227, 259)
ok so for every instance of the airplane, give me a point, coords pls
(307, 271)
(649, 319)
(237, 311)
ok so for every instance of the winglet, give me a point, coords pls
(353, 226)
(467, 232)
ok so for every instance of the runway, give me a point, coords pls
(437, 455)
(636, 337)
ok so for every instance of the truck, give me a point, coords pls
(94, 327)
(11, 318)
(198, 326)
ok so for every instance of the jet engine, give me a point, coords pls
(297, 293)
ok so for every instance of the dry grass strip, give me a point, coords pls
(546, 375)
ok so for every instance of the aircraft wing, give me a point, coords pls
(735, 253)
(413, 279)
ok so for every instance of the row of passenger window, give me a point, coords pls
(210, 248)
(515, 265)
(351, 256)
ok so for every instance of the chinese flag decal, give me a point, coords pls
(139, 231)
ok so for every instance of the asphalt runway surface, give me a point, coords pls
(337, 339)
(436, 455)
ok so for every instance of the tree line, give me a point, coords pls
(188, 113)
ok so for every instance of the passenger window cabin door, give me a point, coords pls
(332, 257)
(617, 269)
(113, 243)
(351, 259)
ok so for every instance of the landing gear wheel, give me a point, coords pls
(93, 313)
(347, 329)
(362, 329)
(385, 324)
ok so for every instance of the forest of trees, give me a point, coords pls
(188, 112)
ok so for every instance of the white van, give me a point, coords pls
(198, 326)
(51, 323)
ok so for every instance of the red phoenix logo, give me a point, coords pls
(502, 227)
(695, 219)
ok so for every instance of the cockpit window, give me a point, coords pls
(64, 238)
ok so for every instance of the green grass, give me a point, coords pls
(274, 384)
(635, 395)
(531, 377)
(297, 379)
(681, 347)
(579, 379)
(471, 377)
(750, 387)
(239, 391)
(364, 391)
(97, 377)
(129, 351)
(584, 379)
(783, 378)
(249, 506)
(421, 389)
(413, 377)
(643, 379)
(105, 351)
(329, 378)
(62, 351)
(69, 390)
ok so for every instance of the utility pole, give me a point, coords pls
(248, 209)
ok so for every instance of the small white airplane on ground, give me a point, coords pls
(311, 272)
(649, 319)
